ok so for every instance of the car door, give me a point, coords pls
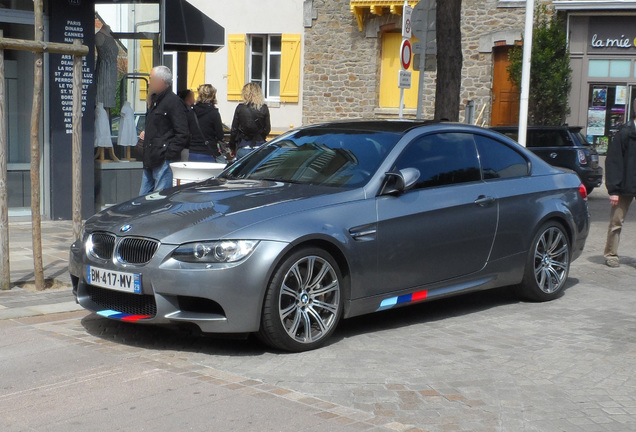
(442, 228)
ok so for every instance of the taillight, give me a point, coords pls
(582, 157)
(583, 191)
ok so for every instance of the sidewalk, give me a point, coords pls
(23, 300)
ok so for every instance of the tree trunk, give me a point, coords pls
(449, 59)
(36, 113)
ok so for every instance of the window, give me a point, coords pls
(272, 61)
(609, 68)
(265, 63)
(547, 138)
(498, 161)
(442, 159)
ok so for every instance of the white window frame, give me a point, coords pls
(265, 80)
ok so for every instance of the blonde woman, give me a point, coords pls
(207, 128)
(251, 123)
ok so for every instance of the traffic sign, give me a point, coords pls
(405, 54)
(407, 11)
(404, 79)
(423, 19)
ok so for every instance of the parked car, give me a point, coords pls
(332, 221)
(562, 146)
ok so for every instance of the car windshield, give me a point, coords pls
(339, 158)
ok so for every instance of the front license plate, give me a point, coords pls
(114, 280)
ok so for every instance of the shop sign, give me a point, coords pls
(611, 34)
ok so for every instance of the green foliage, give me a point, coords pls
(550, 76)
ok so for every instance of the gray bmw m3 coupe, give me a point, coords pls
(333, 221)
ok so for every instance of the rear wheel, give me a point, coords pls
(303, 302)
(547, 265)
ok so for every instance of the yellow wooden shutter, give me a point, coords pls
(145, 64)
(290, 68)
(196, 70)
(235, 66)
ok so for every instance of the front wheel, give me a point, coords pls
(303, 302)
(548, 264)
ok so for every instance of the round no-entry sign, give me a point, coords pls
(405, 54)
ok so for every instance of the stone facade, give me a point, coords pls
(342, 63)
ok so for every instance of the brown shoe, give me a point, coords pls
(613, 262)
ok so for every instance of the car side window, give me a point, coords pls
(442, 159)
(498, 161)
(545, 138)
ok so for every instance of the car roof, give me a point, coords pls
(391, 126)
(514, 128)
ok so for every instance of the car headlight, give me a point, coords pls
(224, 251)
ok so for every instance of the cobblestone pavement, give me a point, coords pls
(480, 362)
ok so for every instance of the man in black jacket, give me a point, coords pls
(620, 179)
(166, 132)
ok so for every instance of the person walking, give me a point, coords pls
(207, 130)
(620, 179)
(251, 123)
(166, 133)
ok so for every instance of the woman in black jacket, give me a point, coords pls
(207, 129)
(251, 123)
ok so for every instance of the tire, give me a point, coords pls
(303, 302)
(547, 265)
(589, 189)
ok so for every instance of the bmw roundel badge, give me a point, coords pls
(125, 228)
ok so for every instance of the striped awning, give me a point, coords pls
(377, 7)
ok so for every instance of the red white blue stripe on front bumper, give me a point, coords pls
(122, 316)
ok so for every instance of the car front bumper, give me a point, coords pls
(218, 298)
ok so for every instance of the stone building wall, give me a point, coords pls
(341, 66)
(342, 63)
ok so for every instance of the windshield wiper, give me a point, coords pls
(279, 180)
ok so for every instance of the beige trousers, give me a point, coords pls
(617, 217)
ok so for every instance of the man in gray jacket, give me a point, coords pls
(620, 179)
(166, 132)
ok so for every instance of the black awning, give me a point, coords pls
(189, 29)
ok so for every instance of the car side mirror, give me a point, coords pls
(401, 181)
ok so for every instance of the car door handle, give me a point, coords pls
(484, 201)
(553, 155)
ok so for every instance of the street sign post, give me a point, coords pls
(405, 54)
(404, 76)
(407, 26)
(404, 81)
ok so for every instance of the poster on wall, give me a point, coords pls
(599, 96)
(617, 118)
(621, 95)
(596, 121)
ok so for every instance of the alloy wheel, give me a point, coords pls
(309, 299)
(551, 260)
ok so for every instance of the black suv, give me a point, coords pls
(562, 146)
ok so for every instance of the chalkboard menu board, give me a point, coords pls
(70, 20)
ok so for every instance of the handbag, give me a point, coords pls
(221, 146)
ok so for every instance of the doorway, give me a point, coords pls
(505, 96)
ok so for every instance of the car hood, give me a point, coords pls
(213, 209)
